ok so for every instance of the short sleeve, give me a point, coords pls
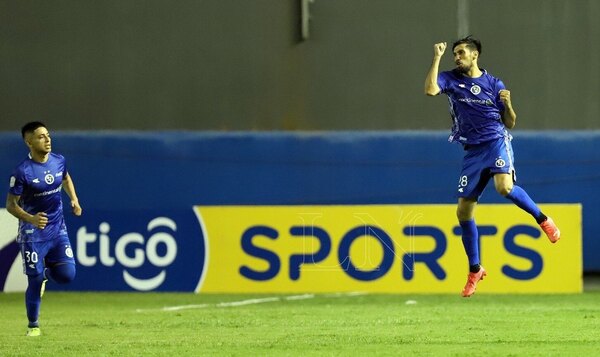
(16, 183)
(443, 81)
(65, 171)
(499, 86)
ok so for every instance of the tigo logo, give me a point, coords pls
(160, 252)
(137, 241)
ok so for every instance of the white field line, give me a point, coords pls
(183, 307)
(300, 297)
(250, 301)
(352, 293)
(175, 308)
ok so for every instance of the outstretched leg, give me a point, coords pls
(504, 186)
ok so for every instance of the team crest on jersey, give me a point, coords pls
(500, 162)
(49, 179)
(475, 89)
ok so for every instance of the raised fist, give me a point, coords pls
(439, 48)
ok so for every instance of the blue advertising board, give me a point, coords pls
(138, 189)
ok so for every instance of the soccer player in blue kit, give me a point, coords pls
(481, 111)
(34, 197)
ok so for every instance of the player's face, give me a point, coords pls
(39, 141)
(464, 57)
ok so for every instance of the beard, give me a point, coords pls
(463, 68)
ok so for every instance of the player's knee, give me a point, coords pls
(63, 274)
(465, 209)
(464, 213)
(504, 189)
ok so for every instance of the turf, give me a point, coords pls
(324, 325)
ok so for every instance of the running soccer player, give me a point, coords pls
(34, 197)
(481, 110)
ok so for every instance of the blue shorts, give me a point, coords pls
(481, 162)
(38, 255)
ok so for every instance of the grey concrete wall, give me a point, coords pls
(239, 64)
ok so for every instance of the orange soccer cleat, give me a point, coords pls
(551, 230)
(472, 280)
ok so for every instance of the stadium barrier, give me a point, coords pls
(214, 212)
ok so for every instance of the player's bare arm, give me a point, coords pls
(509, 117)
(69, 187)
(40, 219)
(431, 86)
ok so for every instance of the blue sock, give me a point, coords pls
(33, 299)
(522, 199)
(61, 273)
(470, 239)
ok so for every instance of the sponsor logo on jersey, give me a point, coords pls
(46, 193)
(485, 102)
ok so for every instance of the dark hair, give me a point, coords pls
(31, 127)
(471, 42)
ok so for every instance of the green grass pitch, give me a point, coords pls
(130, 324)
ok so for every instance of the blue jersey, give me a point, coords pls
(40, 186)
(475, 106)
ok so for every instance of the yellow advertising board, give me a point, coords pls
(385, 249)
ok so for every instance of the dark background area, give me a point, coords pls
(241, 65)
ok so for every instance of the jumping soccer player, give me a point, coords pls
(34, 197)
(481, 110)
